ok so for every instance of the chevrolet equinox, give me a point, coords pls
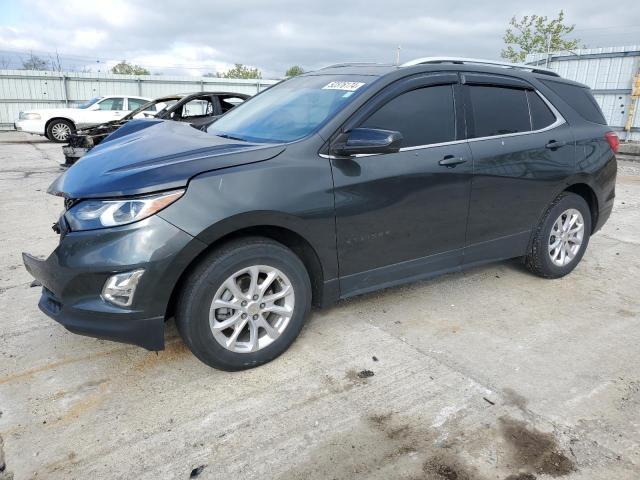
(338, 182)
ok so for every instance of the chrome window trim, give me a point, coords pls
(559, 121)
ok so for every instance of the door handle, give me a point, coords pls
(553, 144)
(451, 161)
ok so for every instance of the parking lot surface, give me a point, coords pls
(488, 374)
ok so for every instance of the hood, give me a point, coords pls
(55, 112)
(151, 155)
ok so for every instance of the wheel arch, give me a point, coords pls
(48, 122)
(589, 195)
(579, 187)
(286, 236)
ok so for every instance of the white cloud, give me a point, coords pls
(201, 35)
(89, 38)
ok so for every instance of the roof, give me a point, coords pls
(435, 64)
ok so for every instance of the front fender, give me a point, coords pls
(281, 192)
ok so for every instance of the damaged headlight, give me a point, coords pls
(93, 214)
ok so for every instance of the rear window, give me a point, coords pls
(580, 99)
(499, 110)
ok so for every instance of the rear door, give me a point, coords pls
(522, 151)
(403, 215)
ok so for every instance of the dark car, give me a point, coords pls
(198, 109)
(327, 185)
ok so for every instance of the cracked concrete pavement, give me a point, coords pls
(488, 374)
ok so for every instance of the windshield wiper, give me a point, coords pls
(230, 137)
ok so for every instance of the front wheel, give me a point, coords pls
(59, 130)
(244, 304)
(561, 238)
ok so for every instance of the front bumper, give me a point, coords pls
(30, 126)
(74, 274)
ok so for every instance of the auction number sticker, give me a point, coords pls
(346, 86)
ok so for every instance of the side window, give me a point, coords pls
(196, 108)
(580, 98)
(541, 114)
(136, 103)
(423, 117)
(112, 104)
(499, 110)
(227, 103)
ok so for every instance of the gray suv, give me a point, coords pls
(331, 184)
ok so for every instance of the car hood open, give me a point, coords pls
(152, 155)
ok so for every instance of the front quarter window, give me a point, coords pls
(290, 110)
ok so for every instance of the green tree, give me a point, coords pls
(536, 34)
(294, 71)
(126, 68)
(240, 71)
(33, 62)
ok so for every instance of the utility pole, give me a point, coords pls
(398, 55)
(548, 51)
(635, 95)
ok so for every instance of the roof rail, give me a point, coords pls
(479, 61)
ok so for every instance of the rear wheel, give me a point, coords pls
(244, 304)
(59, 130)
(561, 237)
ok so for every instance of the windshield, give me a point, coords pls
(168, 104)
(147, 106)
(88, 103)
(290, 110)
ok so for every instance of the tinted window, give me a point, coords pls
(422, 116)
(498, 110)
(541, 114)
(112, 104)
(580, 99)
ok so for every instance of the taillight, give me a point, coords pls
(613, 141)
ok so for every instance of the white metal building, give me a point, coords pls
(610, 73)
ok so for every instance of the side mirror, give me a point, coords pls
(95, 106)
(367, 141)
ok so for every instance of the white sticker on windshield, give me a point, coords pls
(347, 86)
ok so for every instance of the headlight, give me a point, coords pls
(93, 214)
(29, 116)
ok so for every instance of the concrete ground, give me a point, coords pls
(489, 374)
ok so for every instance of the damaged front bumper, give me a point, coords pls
(73, 154)
(74, 275)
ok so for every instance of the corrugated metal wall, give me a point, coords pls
(24, 90)
(609, 72)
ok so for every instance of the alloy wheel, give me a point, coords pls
(565, 239)
(251, 309)
(60, 131)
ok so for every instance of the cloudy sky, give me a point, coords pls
(192, 37)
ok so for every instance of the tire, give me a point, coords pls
(197, 318)
(56, 130)
(548, 262)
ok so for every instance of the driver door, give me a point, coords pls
(403, 215)
(106, 110)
